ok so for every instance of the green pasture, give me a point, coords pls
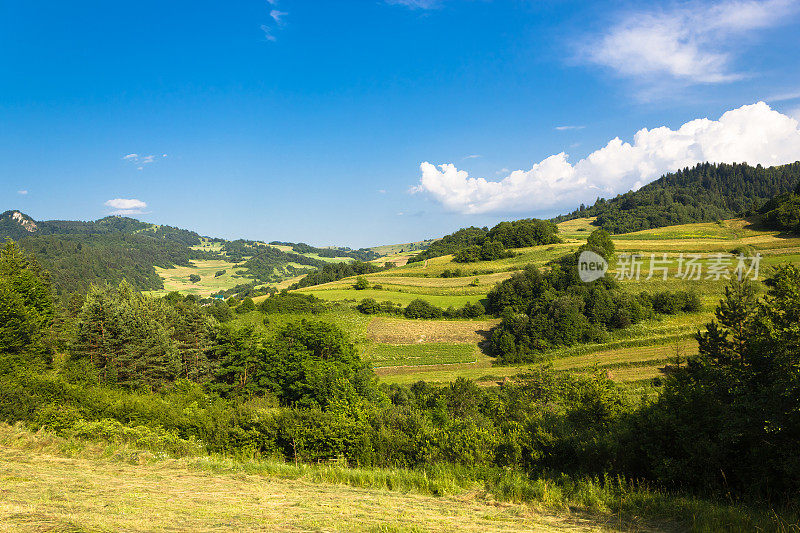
(394, 355)
(399, 297)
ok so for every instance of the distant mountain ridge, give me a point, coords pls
(704, 193)
(15, 225)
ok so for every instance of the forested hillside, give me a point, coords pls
(705, 193)
(783, 211)
(361, 254)
(78, 253)
(77, 261)
(16, 225)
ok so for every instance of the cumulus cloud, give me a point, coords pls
(694, 42)
(126, 206)
(755, 134)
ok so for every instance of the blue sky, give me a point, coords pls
(313, 121)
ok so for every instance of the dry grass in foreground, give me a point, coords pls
(43, 490)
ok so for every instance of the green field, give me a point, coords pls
(427, 352)
(394, 355)
(177, 278)
(644, 347)
(400, 297)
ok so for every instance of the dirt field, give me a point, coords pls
(401, 331)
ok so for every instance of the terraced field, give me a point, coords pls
(641, 352)
(177, 279)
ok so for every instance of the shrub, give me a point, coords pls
(420, 308)
(292, 303)
(369, 306)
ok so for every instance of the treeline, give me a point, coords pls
(420, 308)
(360, 255)
(336, 271)
(724, 425)
(476, 244)
(704, 193)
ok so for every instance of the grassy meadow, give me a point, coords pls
(56, 483)
(50, 484)
(177, 278)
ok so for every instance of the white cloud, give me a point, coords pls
(140, 160)
(277, 16)
(415, 4)
(693, 43)
(22, 192)
(566, 128)
(268, 33)
(755, 134)
(473, 156)
(126, 206)
(795, 113)
(782, 97)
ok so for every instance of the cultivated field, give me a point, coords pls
(177, 279)
(638, 353)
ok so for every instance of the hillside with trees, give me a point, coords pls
(165, 374)
(484, 244)
(16, 225)
(704, 193)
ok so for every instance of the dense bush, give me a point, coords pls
(286, 302)
(369, 306)
(671, 303)
(488, 251)
(420, 308)
(541, 311)
(336, 271)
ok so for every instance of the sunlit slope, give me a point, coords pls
(649, 344)
(95, 487)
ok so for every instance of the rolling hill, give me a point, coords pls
(704, 193)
